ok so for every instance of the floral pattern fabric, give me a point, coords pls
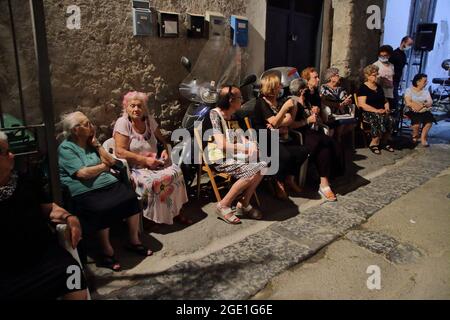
(163, 192)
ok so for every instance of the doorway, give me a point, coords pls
(293, 35)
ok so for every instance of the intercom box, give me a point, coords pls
(144, 18)
(216, 24)
(239, 30)
(195, 25)
(168, 24)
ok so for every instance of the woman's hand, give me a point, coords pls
(153, 163)
(312, 119)
(381, 111)
(73, 231)
(251, 149)
(315, 110)
(166, 158)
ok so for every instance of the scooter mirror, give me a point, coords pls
(248, 80)
(186, 63)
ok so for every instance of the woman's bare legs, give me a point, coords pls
(133, 229)
(425, 131)
(105, 244)
(77, 295)
(237, 189)
(256, 180)
(415, 132)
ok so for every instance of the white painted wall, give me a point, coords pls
(442, 45)
(396, 21)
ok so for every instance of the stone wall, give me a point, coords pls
(93, 67)
(354, 46)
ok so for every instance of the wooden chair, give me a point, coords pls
(212, 175)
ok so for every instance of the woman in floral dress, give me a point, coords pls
(159, 183)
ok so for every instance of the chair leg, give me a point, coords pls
(199, 179)
(257, 199)
(214, 185)
(303, 173)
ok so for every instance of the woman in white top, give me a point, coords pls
(419, 102)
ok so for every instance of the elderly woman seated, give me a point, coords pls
(98, 198)
(159, 183)
(337, 102)
(419, 102)
(34, 266)
(246, 170)
(321, 147)
(376, 111)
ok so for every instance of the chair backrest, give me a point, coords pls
(356, 100)
(110, 146)
(199, 141)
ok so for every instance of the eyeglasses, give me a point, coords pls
(240, 98)
(86, 124)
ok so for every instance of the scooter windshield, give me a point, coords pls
(219, 61)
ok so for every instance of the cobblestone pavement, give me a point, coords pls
(239, 271)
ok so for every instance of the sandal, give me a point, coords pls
(249, 211)
(108, 262)
(139, 249)
(389, 148)
(375, 149)
(227, 215)
(327, 194)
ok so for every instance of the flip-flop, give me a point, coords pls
(108, 262)
(375, 149)
(139, 249)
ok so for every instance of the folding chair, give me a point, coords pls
(204, 167)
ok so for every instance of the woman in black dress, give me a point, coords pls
(34, 265)
(376, 111)
(321, 147)
(269, 116)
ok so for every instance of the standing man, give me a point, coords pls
(399, 60)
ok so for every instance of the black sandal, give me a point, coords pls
(139, 249)
(375, 149)
(389, 148)
(108, 262)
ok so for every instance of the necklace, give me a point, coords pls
(7, 190)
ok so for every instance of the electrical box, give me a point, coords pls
(195, 26)
(216, 24)
(168, 24)
(239, 30)
(144, 20)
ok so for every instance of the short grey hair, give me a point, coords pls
(70, 121)
(330, 73)
(3, 137)
(297, 85)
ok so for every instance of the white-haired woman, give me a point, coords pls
(98, 198)
(158, 182)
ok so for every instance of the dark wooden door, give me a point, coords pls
(292, 33)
